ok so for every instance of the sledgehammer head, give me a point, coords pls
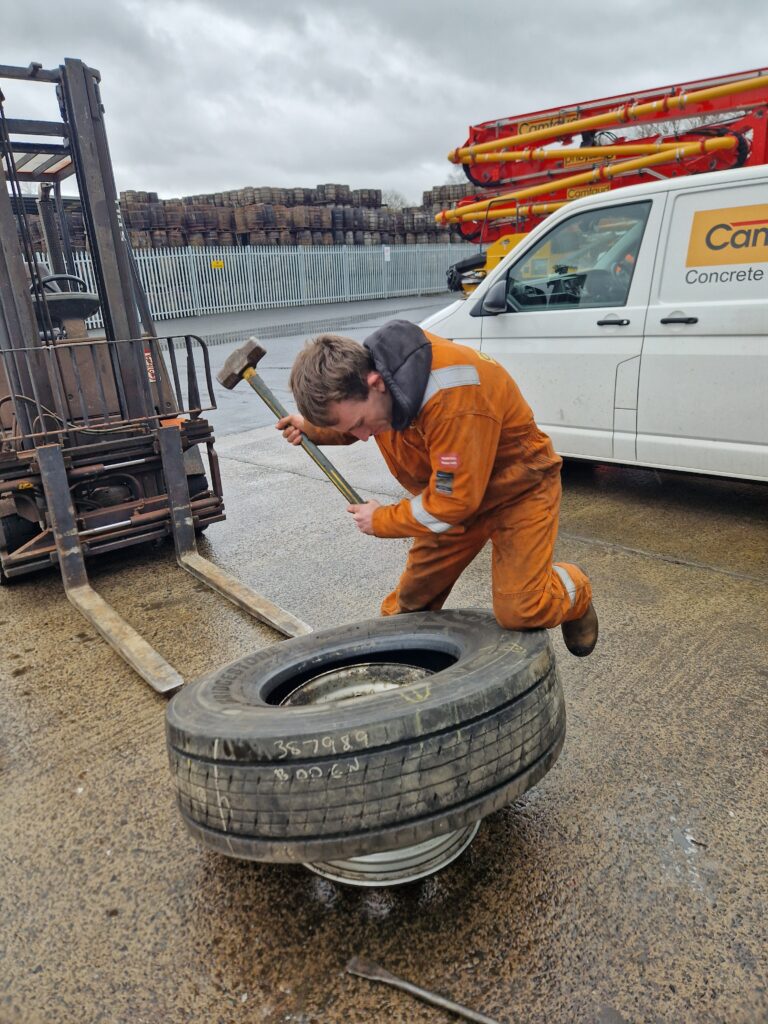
(238, 362)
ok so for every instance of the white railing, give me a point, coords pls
(199, 281)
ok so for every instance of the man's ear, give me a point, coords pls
(376, 381)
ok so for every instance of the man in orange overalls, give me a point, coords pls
(457, 434)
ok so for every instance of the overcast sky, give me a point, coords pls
(219, 94)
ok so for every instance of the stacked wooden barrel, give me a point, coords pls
(328, 214)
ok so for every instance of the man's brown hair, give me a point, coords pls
(329, 369)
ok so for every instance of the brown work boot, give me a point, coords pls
(580, 635)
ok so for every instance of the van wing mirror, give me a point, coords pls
(494, 301)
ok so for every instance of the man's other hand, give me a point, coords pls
(292, 427)
(363, 516)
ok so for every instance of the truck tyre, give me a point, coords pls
(15, 531)
(263, 771)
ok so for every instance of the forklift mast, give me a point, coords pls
(101, 397)
(101, 433)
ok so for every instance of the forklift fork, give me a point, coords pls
(132, 647)
(190, 559)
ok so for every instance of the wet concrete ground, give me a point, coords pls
(629, 886)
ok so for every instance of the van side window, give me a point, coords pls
(587, 260)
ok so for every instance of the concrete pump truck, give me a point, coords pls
(529, 165)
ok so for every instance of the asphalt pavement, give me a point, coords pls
(628, 886)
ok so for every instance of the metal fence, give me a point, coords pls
(197, 281)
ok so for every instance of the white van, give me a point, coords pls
(636, 324)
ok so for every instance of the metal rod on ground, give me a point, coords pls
(366, 969)
(240, 365)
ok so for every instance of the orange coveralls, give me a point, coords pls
(479, 469)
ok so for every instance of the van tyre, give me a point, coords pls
(309, 782)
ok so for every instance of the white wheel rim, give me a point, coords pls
(407, 863)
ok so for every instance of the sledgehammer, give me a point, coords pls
(241, 365)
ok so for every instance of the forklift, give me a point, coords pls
(102, 432)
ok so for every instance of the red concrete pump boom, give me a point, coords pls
(533, 163)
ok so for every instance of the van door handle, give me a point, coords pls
(679, 320)
(615, 322)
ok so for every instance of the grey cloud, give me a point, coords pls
(205, 96)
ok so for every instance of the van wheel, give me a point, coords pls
(366, 739)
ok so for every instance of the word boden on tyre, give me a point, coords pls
(292, 753)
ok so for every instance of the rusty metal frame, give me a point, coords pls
(150, 665)
(122, 412)
(51, 366)
(69, 553)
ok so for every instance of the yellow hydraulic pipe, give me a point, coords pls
(470, 212)
(557, 154)
(536, 208)
(532, 210)
(666, 108)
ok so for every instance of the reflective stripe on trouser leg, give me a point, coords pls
(567, 581)
(529, 591)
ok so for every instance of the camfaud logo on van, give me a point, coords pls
(735, 235)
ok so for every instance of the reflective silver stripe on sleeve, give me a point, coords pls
(421, 515)
(568, 583)
(449, 377)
